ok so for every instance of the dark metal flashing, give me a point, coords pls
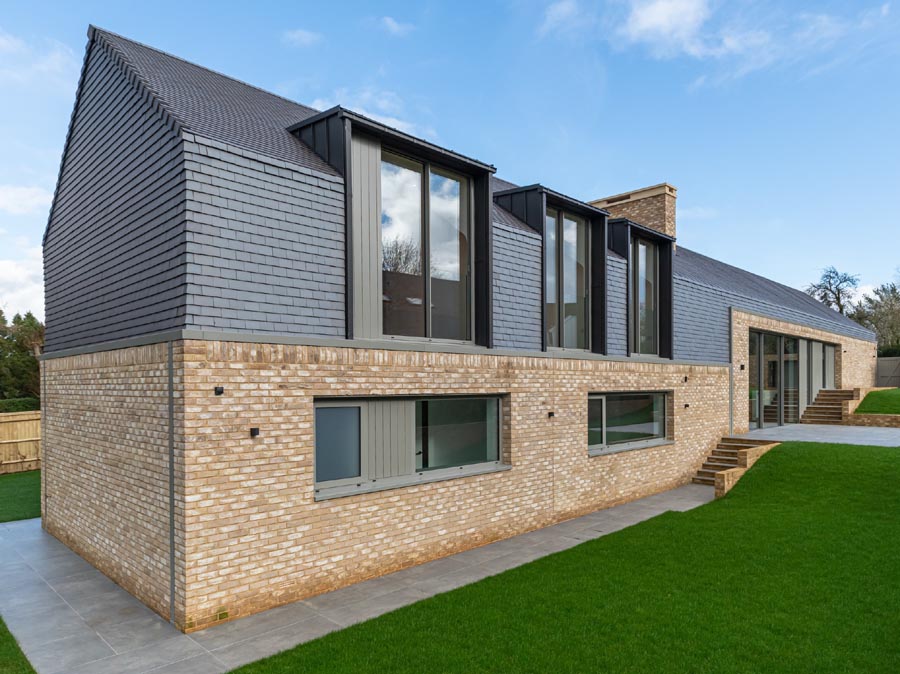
(394, 137)
(347, 133)
(646, 232)
(529, 204)
(484, 254)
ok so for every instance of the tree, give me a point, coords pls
(834, 289)
(880, 311)
(19, 371)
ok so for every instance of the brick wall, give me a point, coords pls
(105, 479)
(255, 536)
(854, 365)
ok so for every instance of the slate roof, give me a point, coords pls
(216, 106)
(710, 272)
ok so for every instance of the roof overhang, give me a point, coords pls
(529, 204)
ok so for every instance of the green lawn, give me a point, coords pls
(11, 659)
(795, 570)
(881, 402)
(20, 496)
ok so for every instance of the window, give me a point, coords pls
(425, 250)
(645, 297)
(364, 445)
(618, 421)
(566, 305)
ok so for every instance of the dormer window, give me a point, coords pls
(645, 291)
(567, 283)
(425, 250)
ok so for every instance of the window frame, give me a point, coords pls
(605, 448)
(634, 310)
(367, 483)
(560, 214)
(467, 187)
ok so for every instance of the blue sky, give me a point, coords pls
(778, 122)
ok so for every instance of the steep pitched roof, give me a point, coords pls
(707, 271)
(216, 106)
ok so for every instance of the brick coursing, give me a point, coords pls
(656, 212)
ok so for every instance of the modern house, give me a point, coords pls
(288, 350)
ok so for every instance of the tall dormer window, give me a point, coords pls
(645, 291)
(567, 301)
(425, 250)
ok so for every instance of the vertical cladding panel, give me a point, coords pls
(265, 244)
(365, 155)
(517, 288)
(617, 310)
(115, 244)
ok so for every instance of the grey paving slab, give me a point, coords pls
(848, 435)
(69, 617)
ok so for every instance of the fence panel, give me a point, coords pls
(20, 442)
(889, 372)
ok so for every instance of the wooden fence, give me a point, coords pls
(889, 372)
(20, 442)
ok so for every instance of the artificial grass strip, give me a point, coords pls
(880, 402)
(795, 570)
(20, 496)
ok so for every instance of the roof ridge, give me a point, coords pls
(103, 31)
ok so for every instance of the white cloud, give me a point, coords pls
(750, 38)
(24, 200)
(39, 64)
(300, 37)
(394, 27)
(861, 291)
(382, 105)
(22, 281)
(562, 16)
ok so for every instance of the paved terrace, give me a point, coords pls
(69, 617)
(848, 435)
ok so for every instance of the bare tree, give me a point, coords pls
(402, 255)
(835, 289)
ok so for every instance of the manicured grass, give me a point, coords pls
(12, 661)
(795, 570)
(881, 402)
(20, 496)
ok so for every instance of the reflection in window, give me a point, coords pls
(645, 297)
(456, 432)
(403, 284)
(633, 417)
(414, 303)
(566, 270)
(337, 443)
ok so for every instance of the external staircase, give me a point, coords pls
(723, 457)
(827, 407)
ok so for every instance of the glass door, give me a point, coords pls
(770, 397)
(790, 397)
(754, 379)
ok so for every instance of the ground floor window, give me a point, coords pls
(368, 444)
(618, 421)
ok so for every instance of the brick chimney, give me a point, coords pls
(652, 207)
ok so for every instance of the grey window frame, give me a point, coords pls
(366, 483)
(606, 449)
(635, 308)
(363, 454)
(559, 219)
(467, 181)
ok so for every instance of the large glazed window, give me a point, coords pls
(645, 297)
(618, 421)
(425, 250)
(381, 443)
(456, 432)
(566, 305)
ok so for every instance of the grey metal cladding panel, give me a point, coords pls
(265, 248)
(517, 288)
(617, 306)
(116, 242)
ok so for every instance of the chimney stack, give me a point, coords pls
(653, 207)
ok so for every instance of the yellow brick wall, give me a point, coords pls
(854, 365)
(105, 484)
(255, 536)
